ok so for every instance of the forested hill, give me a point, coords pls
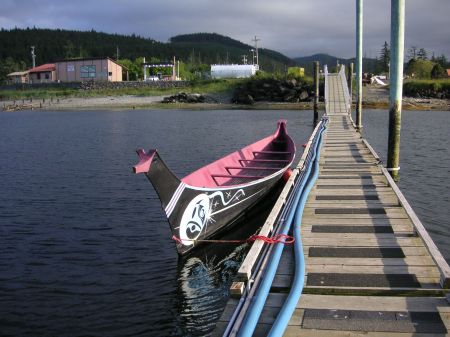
(201, 48)
(214, 48)
(369, 64)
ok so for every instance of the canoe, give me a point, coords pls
(208, 201)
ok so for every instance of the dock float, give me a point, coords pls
(371, 268)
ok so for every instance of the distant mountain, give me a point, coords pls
(56, 44)
(322, 58)
(369, 65)
(214, 48)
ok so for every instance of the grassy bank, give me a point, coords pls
(204, 87)
(427, 88)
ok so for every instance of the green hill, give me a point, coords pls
(56, 44)
(369, 65)
(214, 48)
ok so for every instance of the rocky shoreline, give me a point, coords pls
(272, 90)
(373, 98)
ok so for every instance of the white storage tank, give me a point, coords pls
(233, 70)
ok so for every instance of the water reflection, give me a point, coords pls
(203, 288)
(205, 276)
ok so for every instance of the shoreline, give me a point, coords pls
(373, 98)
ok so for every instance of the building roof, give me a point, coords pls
(43, 68)
(18, 73)
(89, 59)
(448, 72)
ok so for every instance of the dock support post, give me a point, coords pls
(396, 86)
(316, 92)
(359, 38)
(350, 84)
(145, 70)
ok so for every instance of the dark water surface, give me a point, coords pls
(424, 165)
(85, 249)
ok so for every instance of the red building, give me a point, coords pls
(45, 73)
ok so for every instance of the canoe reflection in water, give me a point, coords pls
(205, 275)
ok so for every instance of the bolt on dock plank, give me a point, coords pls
(371, 267)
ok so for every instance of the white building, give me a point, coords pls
(233, 70)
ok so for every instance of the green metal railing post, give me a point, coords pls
(359, 42)
(396, 85)
(316, 92)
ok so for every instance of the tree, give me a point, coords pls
(135, 69)
(419, 68)
(442, 60)
(422, 54)
(385, 56)
(69, 50)
(412, 53)
(438, 71)
(9, 65)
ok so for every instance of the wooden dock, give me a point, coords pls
(371, 267)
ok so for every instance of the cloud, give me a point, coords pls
(293, 27)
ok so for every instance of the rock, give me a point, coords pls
(303, 96)
(183, 97)
(272, 90)
(245, 99)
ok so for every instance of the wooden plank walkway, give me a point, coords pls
(371, 268)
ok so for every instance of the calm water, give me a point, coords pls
(85, 249)
(424, 165)
(84, 245)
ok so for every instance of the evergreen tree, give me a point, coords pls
(385, 56)
(442, 60)
(438, 71)
(422, 54)
(412, 53)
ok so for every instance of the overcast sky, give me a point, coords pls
(293, 27)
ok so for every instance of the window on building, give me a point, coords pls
(47, 76)
(38, 76)
(88, 71)
(110, 73)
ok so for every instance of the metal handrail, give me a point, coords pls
(288, 308)
(345, 88)
(325, 71)
(258, 301)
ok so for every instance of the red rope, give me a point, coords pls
(278, 238)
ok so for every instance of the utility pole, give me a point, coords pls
(117, 53)
(316, 92)
(174, 74)
(33, 57)
(396, 85)
(256, 49)
(359, 41)
(145, 70)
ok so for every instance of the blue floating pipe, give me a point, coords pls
(251, 318)
(285, 314)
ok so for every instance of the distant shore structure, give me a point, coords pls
(71, 70)
(175, 65)
(233, 70)
(88, 69)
